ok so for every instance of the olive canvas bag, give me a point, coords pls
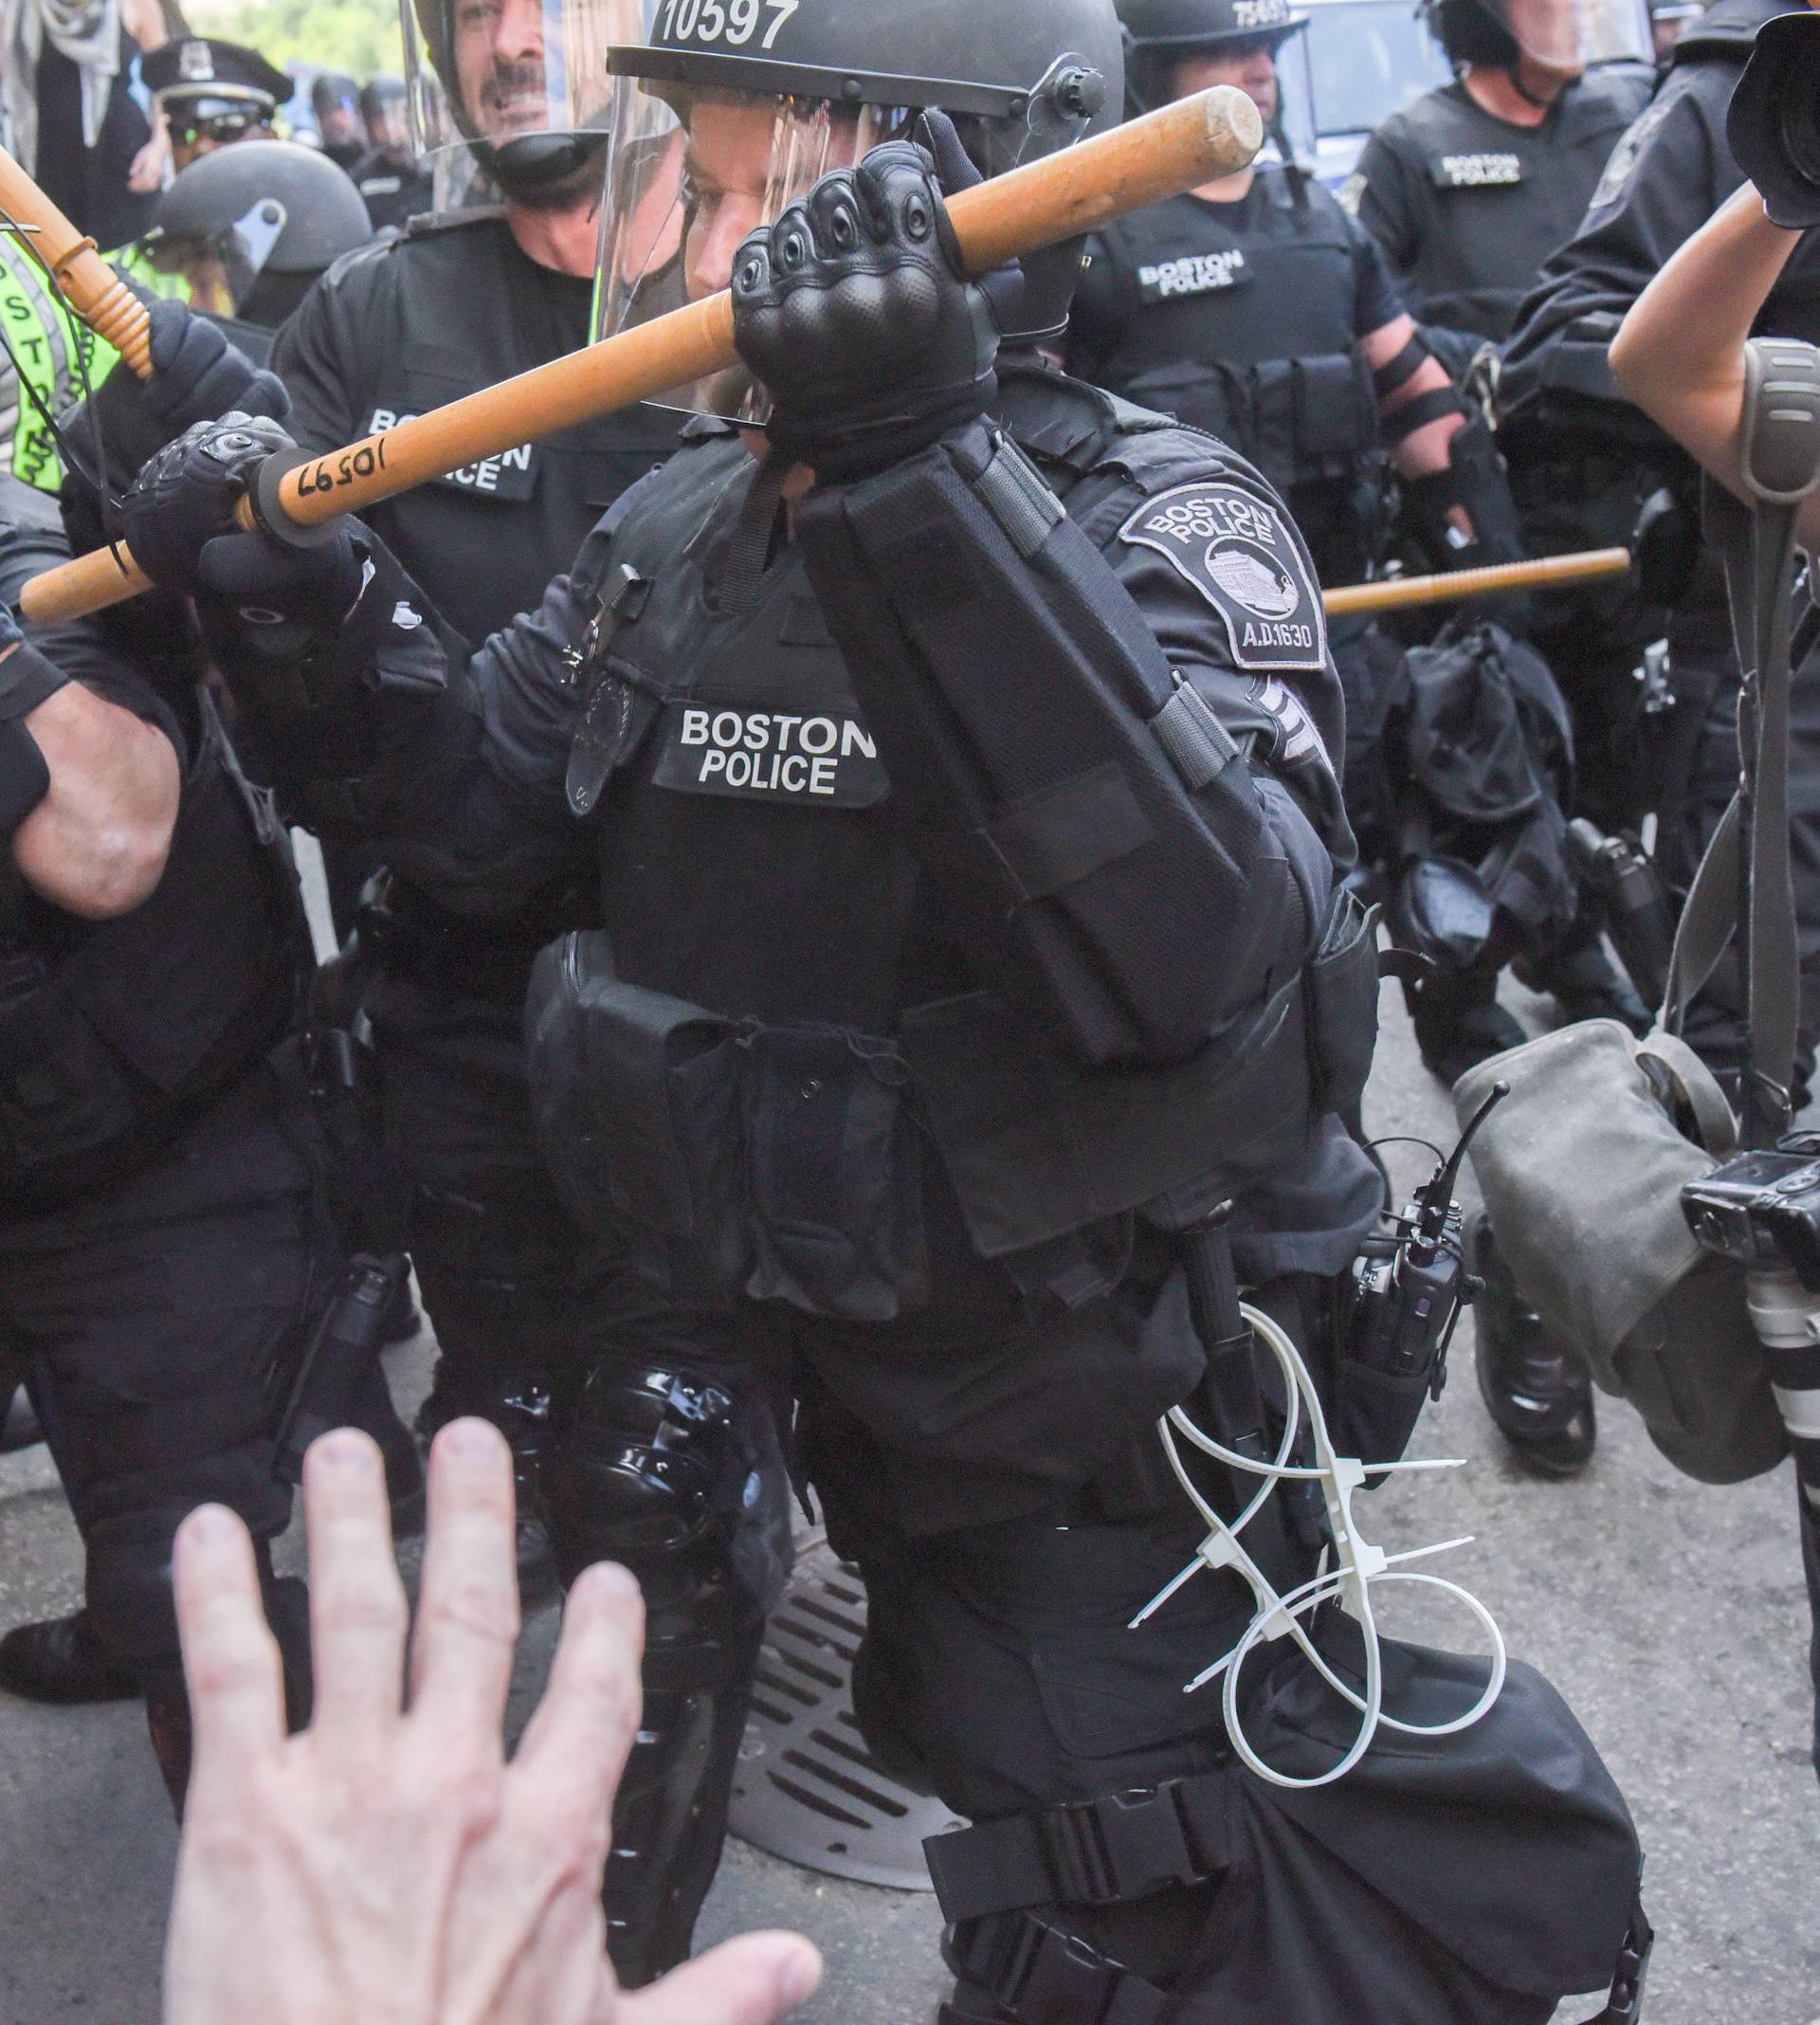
(1582, 1164)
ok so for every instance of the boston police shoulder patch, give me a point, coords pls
(1234, 548)
(1622, 162)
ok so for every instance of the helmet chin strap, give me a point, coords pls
(544, 169)
(1515, 73)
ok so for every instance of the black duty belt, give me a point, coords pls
(1567, 479)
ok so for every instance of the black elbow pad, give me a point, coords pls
(25, 779)
(26, 679)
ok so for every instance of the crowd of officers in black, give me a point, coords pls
(1414, 364)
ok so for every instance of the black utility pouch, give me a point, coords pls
(639, 1107)
(834, 1175)
(1336, 409)
(1342, 1005)
(1376, 1412)
(63, 1092)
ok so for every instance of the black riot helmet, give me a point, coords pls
(333, 89)
(1566, 36)
(820, 84)
(252, 227)
(1159, 33)
(383, 102)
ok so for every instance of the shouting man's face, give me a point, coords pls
(499, 61)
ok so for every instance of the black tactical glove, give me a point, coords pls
(855, 312)
(1474, 480)
(178, 519)
(197, 377)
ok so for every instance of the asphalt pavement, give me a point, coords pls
(1672, 1616)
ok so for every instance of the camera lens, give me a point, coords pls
(1798, 116)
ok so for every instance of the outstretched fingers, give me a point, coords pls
(468, 1603)
(583, 1728)
(357, 1612)
(230, 1662)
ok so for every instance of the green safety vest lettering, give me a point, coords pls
(55, 352)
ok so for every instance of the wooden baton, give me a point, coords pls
(1195, 140)
(89, 284)
(1501, 579)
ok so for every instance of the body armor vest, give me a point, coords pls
(749, 1069)
(1492, 201)
(114, 1034)
(1240, 319)
(406, 325)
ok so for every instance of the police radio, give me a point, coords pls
(342, 1353)
(1408, 1289)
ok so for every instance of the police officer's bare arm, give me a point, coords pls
(1679, 351)
(96, 844)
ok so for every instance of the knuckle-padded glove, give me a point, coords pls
(855, 312)
(197, 376)
(179, 520)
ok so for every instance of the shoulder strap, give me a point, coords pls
(1744, 881)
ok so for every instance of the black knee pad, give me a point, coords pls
(677, 1474)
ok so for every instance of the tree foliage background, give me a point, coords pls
(356, 36)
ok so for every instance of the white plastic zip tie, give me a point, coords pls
(1360, 1565)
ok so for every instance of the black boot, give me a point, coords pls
(1536, 1387)
(1586, 984)
(62, 1661)
(1458, 1022)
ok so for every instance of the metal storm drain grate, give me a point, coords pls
(806, 1789)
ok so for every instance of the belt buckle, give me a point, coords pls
(1122, 1846)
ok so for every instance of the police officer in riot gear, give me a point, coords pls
(1670, 174)
(1258, 310)
(393, 183)
(197, 374)
(248, 228)
(453, 303)
(334, 101)
(1469, 192)
(163, 1244)
(953, 782)
(1671, 171)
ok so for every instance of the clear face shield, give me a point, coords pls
(693, 170)
(689, 176)
(495, 87)
(221, 268)
(1572, 35)
(388, 126)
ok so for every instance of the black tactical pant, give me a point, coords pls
(160, 1319)
(994, 1470)
(496, 1253)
